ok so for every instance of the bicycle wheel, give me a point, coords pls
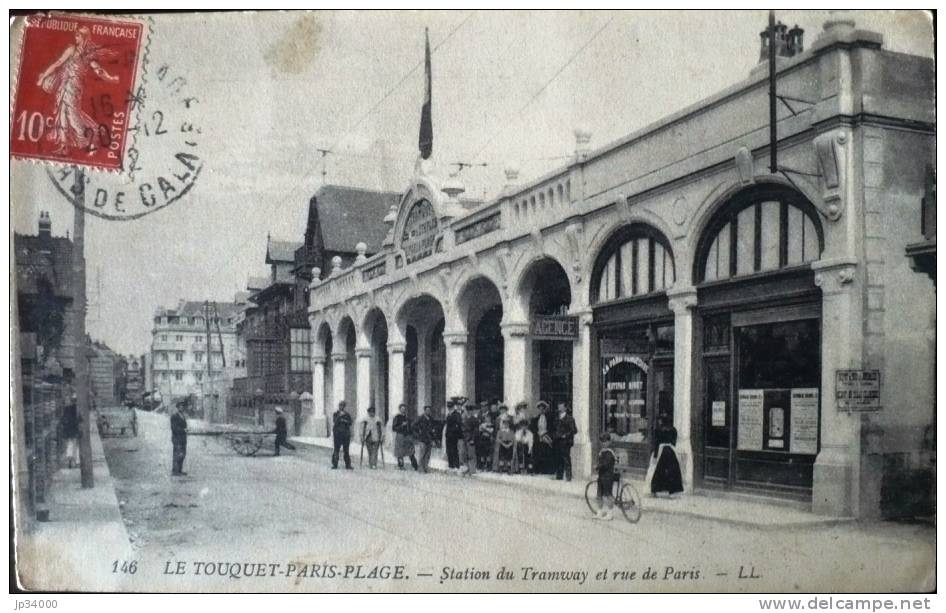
(590, 495)
(630, 503)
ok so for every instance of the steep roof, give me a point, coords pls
(281, 251)
(255, 284)
(350, 215)
(48, 257)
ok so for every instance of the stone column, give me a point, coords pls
(517, 369)
(582, 403)
(395, 383)
(682, 303)
(363, 380)
(836, 471)
(455, 343)
(315, 424)
(338, 380)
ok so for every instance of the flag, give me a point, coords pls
(426, 141)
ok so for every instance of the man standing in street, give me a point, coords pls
(471, 430)
(341, 435)
(281, 435)
(403, 441)
(563, 440)
(372, 435)
(453, 434)
(423, 428)
(178, 441)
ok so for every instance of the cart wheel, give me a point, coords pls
(246, 444)
(630, 502)
(590, 496)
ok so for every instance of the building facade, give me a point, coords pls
(769, 314)
(44, 337)
(183, 340)
(342, 222)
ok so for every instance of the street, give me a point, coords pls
(292, 523)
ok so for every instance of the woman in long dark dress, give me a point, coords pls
(667, 476)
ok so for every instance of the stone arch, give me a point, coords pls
(479, 310)
(375, 332)
(520, 301)
(715, 218)
(657, 275)
(417, 318)
(607, 230)
(725, 191)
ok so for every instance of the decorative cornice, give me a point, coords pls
(836, 275)
(681, 299)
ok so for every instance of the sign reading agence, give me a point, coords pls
(858, 390)
(552, 327)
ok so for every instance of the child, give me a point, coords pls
(606, 478)
(505, 443)
(484, 443)
(524, 447)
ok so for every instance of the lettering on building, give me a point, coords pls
(554, 327)
(478, 229)
(373, 272)
(858, 390)
(420, 231)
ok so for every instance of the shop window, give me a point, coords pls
(636, 261)
(636, 387)
(760, 230)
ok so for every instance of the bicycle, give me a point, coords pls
(628, 500)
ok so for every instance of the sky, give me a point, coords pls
(509, 88)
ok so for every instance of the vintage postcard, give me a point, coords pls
(473, 301)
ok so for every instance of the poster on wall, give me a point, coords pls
(719, 414)
(750, 420)
(804, 424)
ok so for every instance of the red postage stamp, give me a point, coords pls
(75, 89)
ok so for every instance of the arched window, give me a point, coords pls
(761, 229)
(636, 261)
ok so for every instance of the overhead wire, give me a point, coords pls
(542, 89)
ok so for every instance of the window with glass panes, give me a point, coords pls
(636, 261)
(300, 350)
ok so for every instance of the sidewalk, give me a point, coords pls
(84, 535)
(731, 510)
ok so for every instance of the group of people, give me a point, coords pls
(484, 437)
(488, 437)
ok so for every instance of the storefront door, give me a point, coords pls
(761, 400)
(555, 372)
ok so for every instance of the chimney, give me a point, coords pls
(788, 43)
(512, 175)
(582, 142)
(45, 225)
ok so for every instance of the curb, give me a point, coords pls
(818, 522)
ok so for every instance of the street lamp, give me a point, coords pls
(258, 394)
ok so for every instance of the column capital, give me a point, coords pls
(399, 347)
(319, 360)
(339, 356)
(835, 276)
(362, 352)
(681, 299)
(516, 328)
(585, 315)
(455, 338)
